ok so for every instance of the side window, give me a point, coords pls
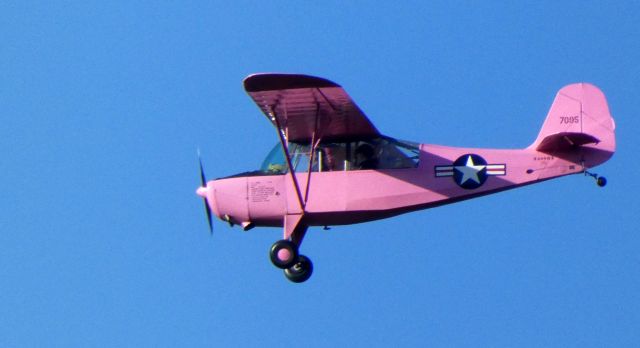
(299, 156)
(377, 153)
(395, 154)
(385, 153)
(367, 155)
(330, 157)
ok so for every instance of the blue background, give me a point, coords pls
(103, 241)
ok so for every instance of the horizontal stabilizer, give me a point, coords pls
(578, 126)
(565, 141)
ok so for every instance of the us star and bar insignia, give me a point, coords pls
(470, 171)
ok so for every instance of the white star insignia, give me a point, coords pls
(469, 171)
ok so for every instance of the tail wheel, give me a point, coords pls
(300, 271)
(283, 254)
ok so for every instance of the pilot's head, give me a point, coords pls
(364, 151)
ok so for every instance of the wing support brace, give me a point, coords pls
(285, 148)
(313, 146)
(294, 227)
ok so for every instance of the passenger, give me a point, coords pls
(365, 158)
(327, 159)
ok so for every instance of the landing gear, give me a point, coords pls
(600, 180)
(284, 255)
(300, 271)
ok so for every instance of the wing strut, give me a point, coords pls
(285, 148)
(315, 141)
(313, 146)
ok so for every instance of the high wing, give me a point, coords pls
(307, 107)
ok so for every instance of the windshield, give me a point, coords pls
(376, 153)
(274, 163)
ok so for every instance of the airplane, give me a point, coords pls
(332, 166)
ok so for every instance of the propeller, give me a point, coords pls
(203, 180)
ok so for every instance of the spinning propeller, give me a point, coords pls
(203, 180)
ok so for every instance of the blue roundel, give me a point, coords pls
(470, 171)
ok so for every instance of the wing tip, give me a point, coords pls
(277, 81)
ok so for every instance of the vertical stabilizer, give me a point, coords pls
(579, 120)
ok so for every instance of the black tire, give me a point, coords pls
(300, 271)
(286, 245)
(602, 181)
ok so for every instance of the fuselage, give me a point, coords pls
(443, 175)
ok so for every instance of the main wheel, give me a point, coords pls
(300, 271)
(601, 181)
(283, 254)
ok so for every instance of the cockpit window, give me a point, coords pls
(395, 154)
(274, 163)
(376, 153)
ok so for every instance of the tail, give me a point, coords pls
(579, 123)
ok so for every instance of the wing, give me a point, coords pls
(303, 105)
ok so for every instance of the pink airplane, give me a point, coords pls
(333, 167)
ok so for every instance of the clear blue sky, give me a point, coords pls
(103, 241)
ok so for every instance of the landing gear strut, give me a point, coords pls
(600, 180)
(284, 255)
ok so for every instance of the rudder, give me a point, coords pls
(579, 118)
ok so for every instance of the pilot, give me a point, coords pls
(365, 158)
